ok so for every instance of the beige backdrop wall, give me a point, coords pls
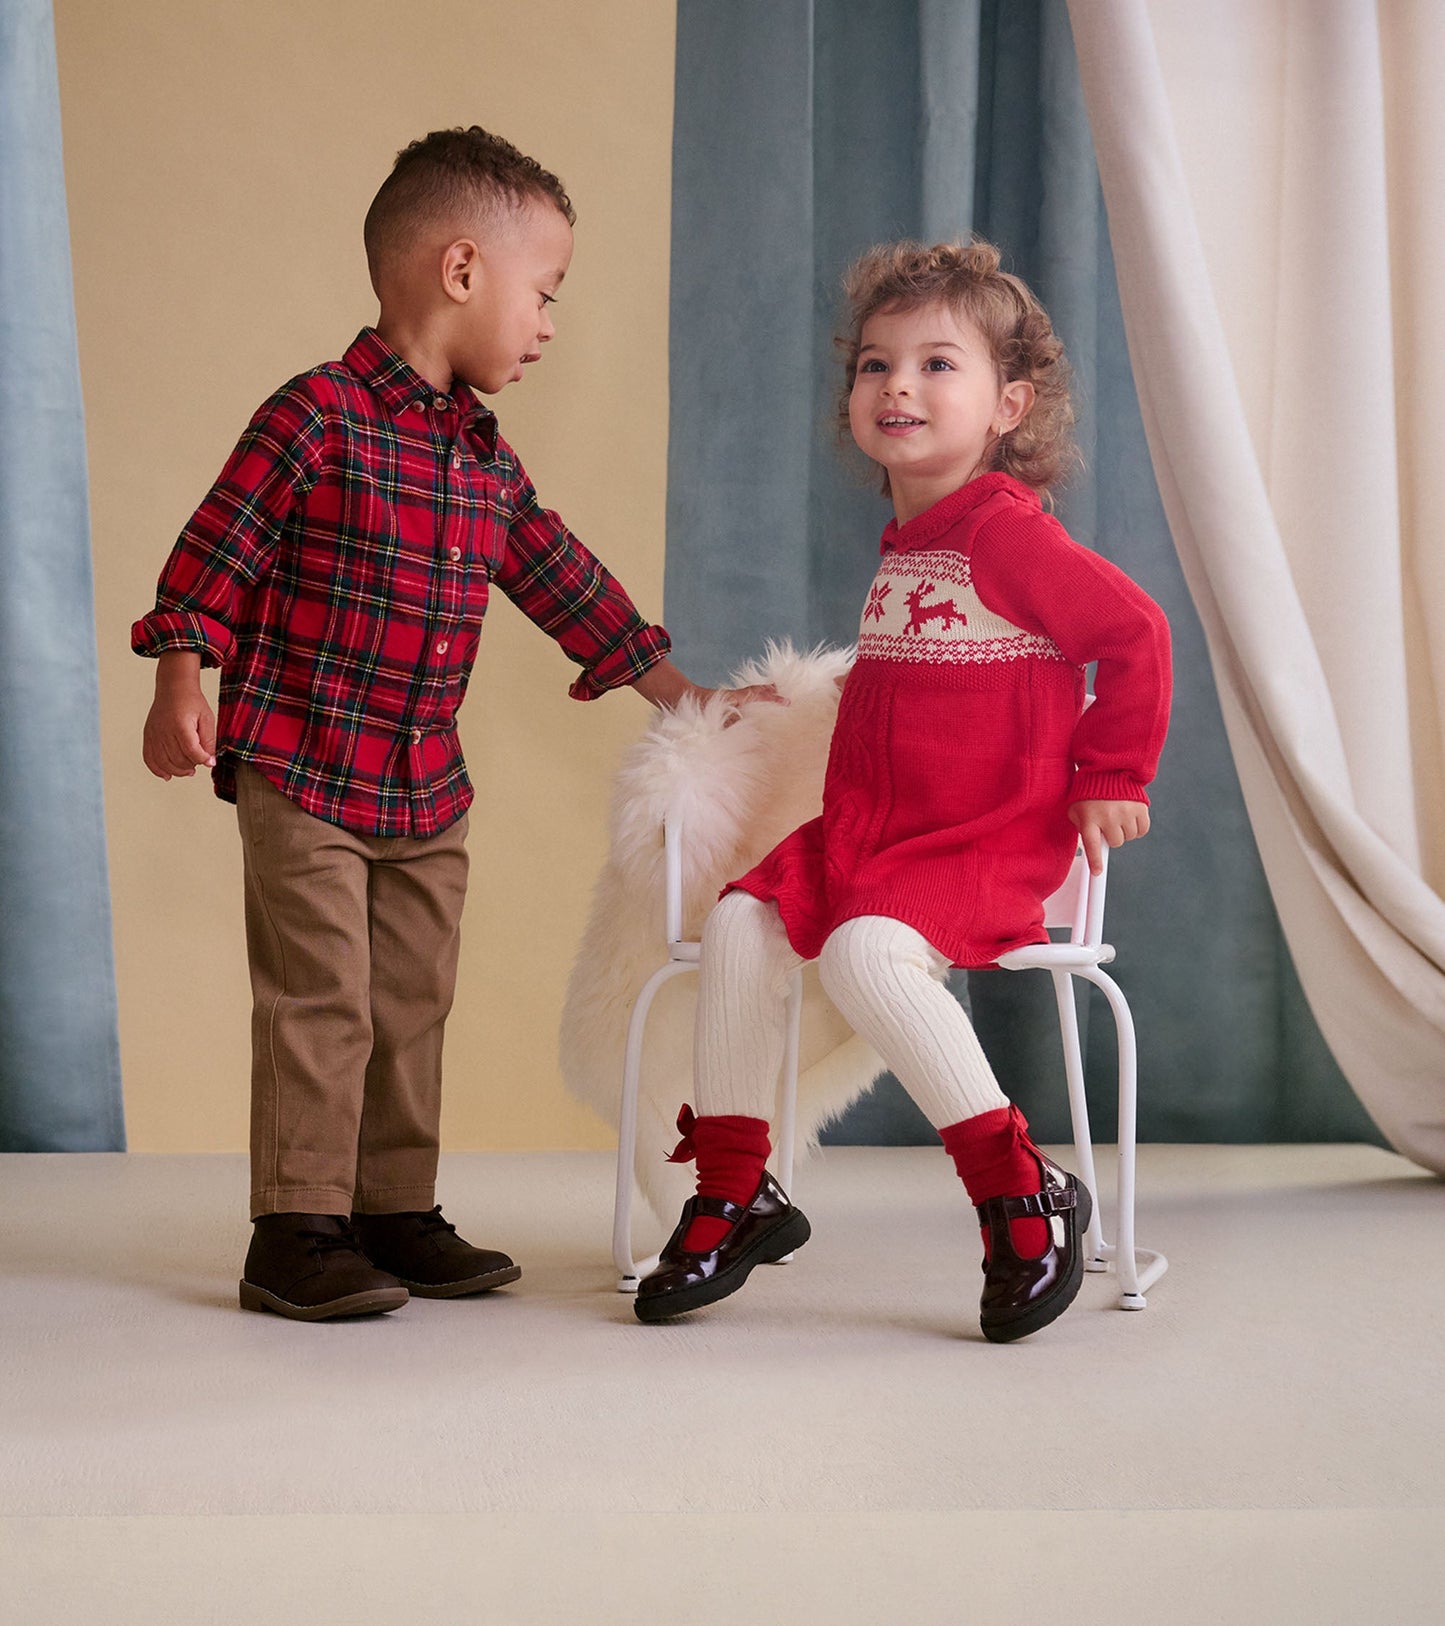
(219, 160)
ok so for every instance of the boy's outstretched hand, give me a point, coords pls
(666, 684)
(1111, 822)
(180, 731)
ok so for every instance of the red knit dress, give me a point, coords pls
(961, 738)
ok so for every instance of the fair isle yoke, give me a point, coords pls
(923, 607)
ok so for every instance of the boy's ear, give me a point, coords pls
(461, 269)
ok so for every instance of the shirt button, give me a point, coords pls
(454, 554)
(456, 460)
(441, 403)
(418, 406)
(442, 647)
(416, 736)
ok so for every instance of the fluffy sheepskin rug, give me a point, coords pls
(739, 790)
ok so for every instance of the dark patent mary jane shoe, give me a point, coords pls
(1022, 1295)
(767, 1229)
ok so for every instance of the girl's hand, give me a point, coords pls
(1112, 822)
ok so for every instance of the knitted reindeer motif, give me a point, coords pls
(920, 614)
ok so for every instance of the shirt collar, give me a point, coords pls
(948, 511)
(399, 386)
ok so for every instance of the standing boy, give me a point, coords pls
(338, 573)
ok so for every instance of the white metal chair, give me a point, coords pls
(683, 955)
(1078, 907)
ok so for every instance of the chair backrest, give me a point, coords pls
(1078, 905)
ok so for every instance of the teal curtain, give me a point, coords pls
(59, 1052)
(806, 130)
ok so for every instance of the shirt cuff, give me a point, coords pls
(1098, 785)
(624, 663)
(164, 630)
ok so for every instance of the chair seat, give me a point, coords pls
(1056, 956)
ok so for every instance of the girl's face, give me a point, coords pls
(927, 403)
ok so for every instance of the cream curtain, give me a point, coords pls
(1271, 171)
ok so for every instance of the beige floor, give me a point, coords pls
(1264, 1443)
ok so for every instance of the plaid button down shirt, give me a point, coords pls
(338, 573)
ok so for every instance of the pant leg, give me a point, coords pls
(310, 957)
(746, 967)
(887, 980)
(418, 888)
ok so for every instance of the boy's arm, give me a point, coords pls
(570, 594)
(222, 552)
(664, 684)
(231, 539)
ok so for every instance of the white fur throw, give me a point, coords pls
(739, 791)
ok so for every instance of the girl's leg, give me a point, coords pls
(746, 966)
(888, 981)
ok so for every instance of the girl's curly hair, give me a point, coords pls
(891, 277)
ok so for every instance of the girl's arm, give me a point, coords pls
(1028, 569)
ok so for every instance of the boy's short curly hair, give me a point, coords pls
(450, 175)
(1015, 326)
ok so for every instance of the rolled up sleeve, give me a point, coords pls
(232, 537)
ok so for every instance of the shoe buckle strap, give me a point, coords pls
(722, 1208)
(1036, 1205)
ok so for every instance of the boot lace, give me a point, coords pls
(332, 1241)
(433, 1223)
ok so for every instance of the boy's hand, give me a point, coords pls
(665, 684)
(180, 731)
(1111, 822)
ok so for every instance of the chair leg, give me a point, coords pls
(788, 1086)
(630, 1271)
(1133, 1282)
(1095, 1258)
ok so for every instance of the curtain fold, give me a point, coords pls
(59, 1051)
(1276, 378)
(806, 130)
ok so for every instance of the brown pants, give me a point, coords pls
(353, 944)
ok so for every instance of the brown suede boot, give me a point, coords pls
(424, 1253)
(308, 1267)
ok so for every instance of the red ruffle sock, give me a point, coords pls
(995, 1158)
(731, 1152)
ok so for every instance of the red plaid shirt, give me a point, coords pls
(338, 572)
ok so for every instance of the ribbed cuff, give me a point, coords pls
(1095, 785)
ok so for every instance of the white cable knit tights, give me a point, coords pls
(884, 977)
